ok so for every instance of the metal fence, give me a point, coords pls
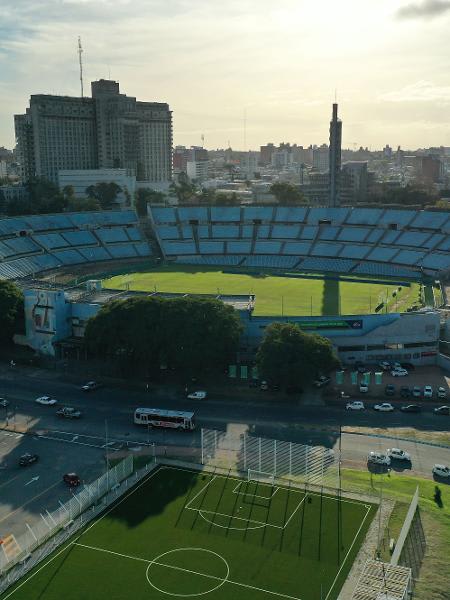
(16, 549)
(315, 465)
(405, 529)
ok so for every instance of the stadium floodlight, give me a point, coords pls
(260, 477)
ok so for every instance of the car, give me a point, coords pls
(441, 392)
(396, 365)
(378, 458)
(399, 372)
(363, 387)
(264, 386)
(384, 407)
(428, 391)
(46, 400)
(412, 408)
(385, 365)
(442, 410)
(441, 470)
(361, 368)
(199, 395)
(322, 381)
(72, 479)
(417, 391)
(389, 390)
(355, 405)
(405, 392)
(67, 412)
(90, 386)
(4, 402)
(397, 454)
(28, 459)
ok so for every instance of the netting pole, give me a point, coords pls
(202, 442)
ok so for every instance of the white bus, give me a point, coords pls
(157, 417)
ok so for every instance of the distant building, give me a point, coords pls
(3, 168)
(108, 131)
(321, 158)
(429, 168)
(354, 182)
(197, 169)
(80, 180)
(335, 156)
(248, 164)
(265, 156)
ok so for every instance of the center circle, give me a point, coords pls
(216, 581)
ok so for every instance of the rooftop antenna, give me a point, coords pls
(80, 51)
(203, 140)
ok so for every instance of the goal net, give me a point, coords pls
(261, 477)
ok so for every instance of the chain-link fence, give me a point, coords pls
(16, 549)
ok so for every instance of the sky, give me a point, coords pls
(274, 65)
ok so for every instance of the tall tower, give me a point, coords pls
(335, 156)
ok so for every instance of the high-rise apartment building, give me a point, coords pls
(335, 156)
(109, 130)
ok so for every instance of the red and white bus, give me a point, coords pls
(158, 417)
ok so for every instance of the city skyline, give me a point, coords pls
(217, 65)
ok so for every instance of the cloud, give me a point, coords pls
(420, 91)
(427, 9)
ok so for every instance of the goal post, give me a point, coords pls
(260, 477)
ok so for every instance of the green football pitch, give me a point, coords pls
(274, 295)
(189, 534)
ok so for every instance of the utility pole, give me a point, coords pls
(80, 60)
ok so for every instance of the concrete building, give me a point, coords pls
(335, 156)
(109, 130)
(248, 164)
(354, 182)
(321, 158)
(265, 155)
(197, 169)
(82, 179)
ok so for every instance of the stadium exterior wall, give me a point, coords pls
(52, 316)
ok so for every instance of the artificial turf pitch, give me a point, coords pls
(183, 533)
(275, 295)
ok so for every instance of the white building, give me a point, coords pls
(82, 179)
(197, 169)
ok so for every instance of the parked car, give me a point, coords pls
(385, 365)
(90, 386)
(441, 470)
(378, 458)
(67, 412)
(399, 372)
(199, 395)
(405, 392)
(412, 408)
(46, 400)
(396, 365)
(389, 390)
(4, 402)
(384, 407)
(71, 479)
(28, 459)
(363, 388)
(441, 392)
(355, 405)
(322, 381)
(442, 410)
(416, 392)
(361, 368)
(397, 454)
(428, 391)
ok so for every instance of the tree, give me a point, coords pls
(187, 335)
(75, 204)
(105, 193)
(11, 310)
(185, 190)
(43, 197)
(146, 196)
(289, 357)
(287, 194)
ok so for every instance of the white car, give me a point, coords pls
(363, 388)
(384, 407)
(46, 400)
(442, 393)
(398, 454)
(441, 471)
(428, 391)
(385, 365)
(378, 458)
(399, 372)
(355, 405)
(197, 395)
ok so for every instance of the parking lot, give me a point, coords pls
(26, 492)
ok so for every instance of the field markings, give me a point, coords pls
(236, 490)
(349, 550)
(181, 569)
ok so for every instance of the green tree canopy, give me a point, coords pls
(43, 197)
(287, 194)
(105, 193)
(288, 356)
(188, 335)
(146, 196)
(11, 310)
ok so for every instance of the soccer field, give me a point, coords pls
(290, 296)
(181, 533)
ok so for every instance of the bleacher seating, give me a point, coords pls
(277, 262)
(210, 260)
(335, 265)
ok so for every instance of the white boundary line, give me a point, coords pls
(301, 502)
(138, 558)
(212, 512)
(349, 550)
(239, 485)
(201, 491)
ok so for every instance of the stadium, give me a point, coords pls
(367, 278)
